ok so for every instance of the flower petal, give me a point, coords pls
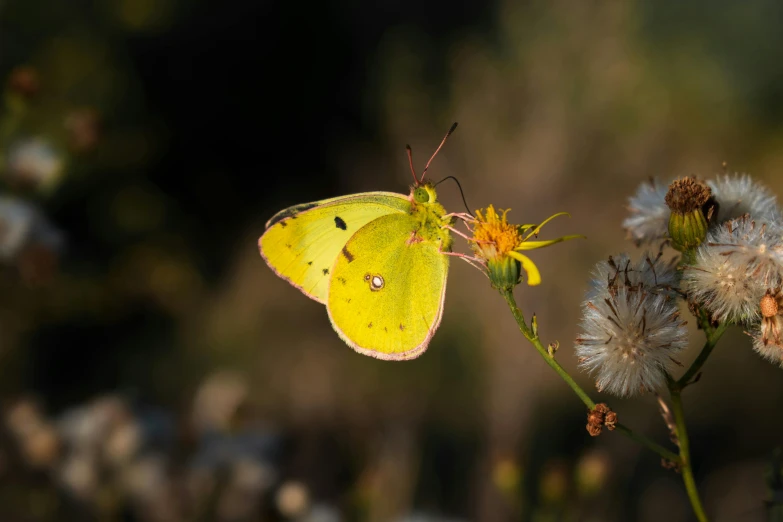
(532, 245)
(533, 275)
(536, 230)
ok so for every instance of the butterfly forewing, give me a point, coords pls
(301, 243)
(387, 288)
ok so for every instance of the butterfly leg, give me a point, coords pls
(460, 234)
(473, 261)
(463, 235)
(464, 216)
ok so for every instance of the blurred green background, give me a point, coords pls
(152, 368)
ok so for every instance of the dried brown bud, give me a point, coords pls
(610, 421)
(599, 417)
(593, 430)
(668, 464)
(769, 305)
(687, 194)
(24, 81)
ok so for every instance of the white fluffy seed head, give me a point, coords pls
(657, 275)
(649, 219)
(738, 194)
(767, 343)
(734, 267)
(630, 334)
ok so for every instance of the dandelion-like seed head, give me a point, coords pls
(630, 333)
(734, 267)
(649, 219)
(651, 271)
(738, 194)
(498, 245)
(767, 338)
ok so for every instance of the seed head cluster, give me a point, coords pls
(732, 269)
(739, 261)
(631, 327)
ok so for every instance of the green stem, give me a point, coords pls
(713, 336)
(647, 443)
(685, 457)
(508, 295)
(536, 341)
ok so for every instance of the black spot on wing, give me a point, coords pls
(402, 327)
(309, 263)
(369, 325)
(347, 254)
(290, 212)
(283, 224)
(325, 271)
(342, 280)
(339, 223)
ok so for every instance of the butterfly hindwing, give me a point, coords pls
(301, 243)
(387, 288)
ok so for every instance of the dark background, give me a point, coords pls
(209, 117)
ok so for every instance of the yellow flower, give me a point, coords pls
(498, 243)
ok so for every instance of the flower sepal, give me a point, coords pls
(504, 272)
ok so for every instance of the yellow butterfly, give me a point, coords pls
(378, 260)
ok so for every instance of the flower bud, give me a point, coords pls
(503, 272)
(686, 199)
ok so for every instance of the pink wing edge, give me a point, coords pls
(403, 356)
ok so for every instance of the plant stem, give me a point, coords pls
(685, 458)
(508, 295)
(647, 443)
(713, 336)
(536, 341)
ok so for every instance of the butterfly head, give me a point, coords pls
(425, 193)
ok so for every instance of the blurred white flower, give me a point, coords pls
(145, 479)
(37, 438)
(292, 499)
(253, 475)
(738, 194)
(734, 267)
(22, 225)
(630, 334)
(123, 441)
(87, 427)
(322, 513)
(217, 401)
(35, 161)
(79, 474)
(649, 219)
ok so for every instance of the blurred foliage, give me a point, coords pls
(144, 143)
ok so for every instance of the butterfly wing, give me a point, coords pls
(386, 292)
(302, 242)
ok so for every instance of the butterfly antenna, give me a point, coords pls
(453, 127)
(464, 201)
(410, 162)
